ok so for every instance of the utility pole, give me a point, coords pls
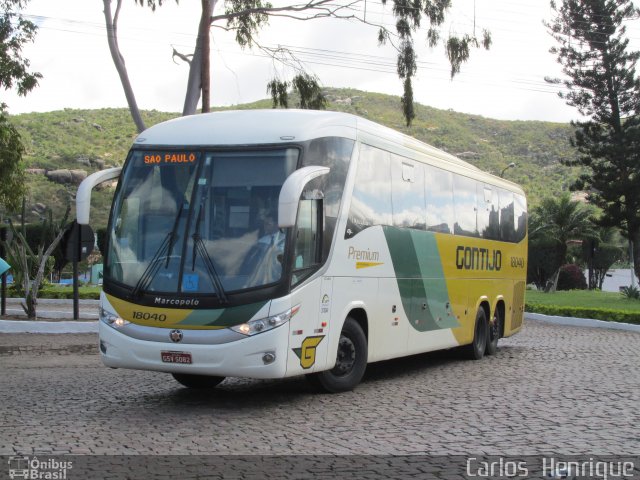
(3, 288)
(633, 273)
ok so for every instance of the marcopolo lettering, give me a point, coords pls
(177, 302)
(474, 258)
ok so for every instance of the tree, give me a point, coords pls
(32, 265)
(409, 15)
(247, 17)
(555, 222)
(15, 32)
(12, 186)
(601, 83)
(111, 20)
(600, 253)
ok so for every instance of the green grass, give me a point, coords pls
(584, 298)
(612, 307)
(56, 291)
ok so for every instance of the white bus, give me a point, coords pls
(268, 244)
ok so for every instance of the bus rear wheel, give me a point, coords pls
(475, 351)
(351, 361)
(197, 381)
(495, 327)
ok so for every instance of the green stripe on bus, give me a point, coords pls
(223, 317)
(421, 282)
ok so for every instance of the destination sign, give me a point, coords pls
(170, 158)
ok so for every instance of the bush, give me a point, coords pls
(630, 292)
(607, 315)
(85, 293)
(571, 278)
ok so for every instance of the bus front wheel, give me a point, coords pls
(475, 351)
(197, 381)
(351, 361)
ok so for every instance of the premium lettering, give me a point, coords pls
(367, 255)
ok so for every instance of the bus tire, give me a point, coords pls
(351, 361)
(475, 350)
(495, 327)
(197, 381)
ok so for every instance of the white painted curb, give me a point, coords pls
(582, 322)
(38, 326)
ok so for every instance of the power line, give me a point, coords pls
(331, 58)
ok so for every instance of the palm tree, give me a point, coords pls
(561, 220)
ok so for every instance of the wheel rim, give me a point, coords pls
(346, 358)
(481, 335)
(494, 329)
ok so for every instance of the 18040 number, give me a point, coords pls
(158, 317)
(517, 262)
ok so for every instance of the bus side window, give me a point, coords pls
(465, 206)
(335, 153)
(507, 226)
(439, 199)
(407, 193)
(307, 252)
(371, 199)
(488, 212)
(520, 217)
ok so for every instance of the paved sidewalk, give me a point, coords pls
(34, 344)
(550, 390)
(55, 309)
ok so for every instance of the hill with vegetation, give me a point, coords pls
(64, 146)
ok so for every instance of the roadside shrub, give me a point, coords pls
(630, 292)
(608, 315)
(53, 292)
(571, 278)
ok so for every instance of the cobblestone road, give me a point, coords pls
(550, 390)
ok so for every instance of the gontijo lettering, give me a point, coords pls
(168, 158)
(474, 258)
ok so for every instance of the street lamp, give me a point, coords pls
(511, 165)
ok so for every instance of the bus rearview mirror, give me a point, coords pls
(291, 191)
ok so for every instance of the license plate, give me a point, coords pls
(176, 357)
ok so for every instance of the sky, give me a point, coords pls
(506, 82)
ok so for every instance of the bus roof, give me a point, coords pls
(248, 127)
(262, 127)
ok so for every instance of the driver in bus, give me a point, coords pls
(272, 235)
(271, 248)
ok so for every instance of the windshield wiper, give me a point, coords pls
(165, 249)
(199, 247)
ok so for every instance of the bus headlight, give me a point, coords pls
(265, 324)
(111, 319)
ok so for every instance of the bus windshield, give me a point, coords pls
(199, 222)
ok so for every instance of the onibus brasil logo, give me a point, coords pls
(33, 468)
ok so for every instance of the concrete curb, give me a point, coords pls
(55, 309)
(39, 326)
(581, 322)
(53, 314)
(54, 301)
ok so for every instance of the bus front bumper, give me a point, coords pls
(250, 357)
